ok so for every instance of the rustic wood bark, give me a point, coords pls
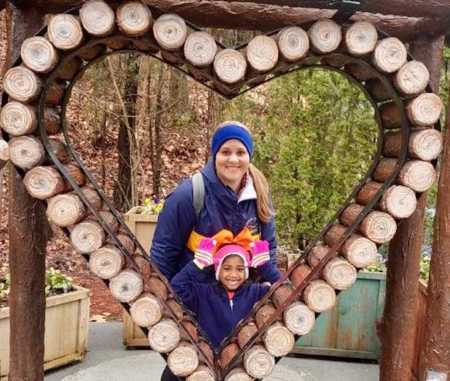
(26, 152)
(246, 333)
(230, 66)
(77, 175)
(164, 336)
(97, 18)
(339, 273)
(64, 31)
(399, 320)
(436, 351)
(258, 362)
(334, 234)
(146, 311)
(92, 196)
(319, 296)
(134, 18)
(28, 237)
(424, 144)
(299, 319)
(361, 38)
(379, 227)
(263, 314)
(65, 210)
(87, 237)
(293, 43)
(68, 71)
(262, 53)
(412, 78)
(126, 286)
(425, 110)
(183, 360)
(316, 254)
(129, 246)
(4, 150)
(106, 262)
(202, 373)
(281, 294)
(238, 374)
(228, 353)
(92, 52)
(142, 263)
(416, 174)
(55, 94)
(156, 286)
(350, 214)
(206, 351)
(279, 341)
(359, 251)
(299, 274)
(175, 307)
(361, 73)
(21, 84)
(18, 119)
(170, 31)
(200, 49)
(38, 54)
(110, 220)
(43, 182)
(390, 55)
(190, 330)
(377, 90)
(52, 121)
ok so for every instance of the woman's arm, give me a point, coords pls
(270, 271)
(175, 224)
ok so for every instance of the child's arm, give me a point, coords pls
(188, 285)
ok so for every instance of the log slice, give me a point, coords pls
(279, 340)
(360, 251)
(18, 119)
(361, 38)
(65, 32)
(202, 373)
(299, 318)
(262, 53)
(238, 374)
(97, 18)
(134, 18)
(43, 182)
(390, 55)
(65, 210)
(170, 31)
(425, 109)
(399, 201)
(146, 311)
(258, 362)
(293, 43)
(164, 336)
(325, 36)
(319, 296)
(21, 84)
(38, 54)
(379, 227)
(230, 66)
(26, 152)
(340, 274)
(200, 49)
(183, 360)
(106, 262)
(87, 237)
(126, 286)
(412, 78)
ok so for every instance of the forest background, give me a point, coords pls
(141, 126)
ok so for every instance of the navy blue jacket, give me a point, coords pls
(209, 300)
(221, 210)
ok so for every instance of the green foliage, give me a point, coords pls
(315, 137)
(150, 207)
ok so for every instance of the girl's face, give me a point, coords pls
(232, 161)
(232, 272)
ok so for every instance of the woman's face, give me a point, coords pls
(232, 161)
(232, 272)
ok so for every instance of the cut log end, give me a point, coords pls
(319, 296)
(88, 236)
(361, 38)
(183, 360)
(230, 66)
(164, 336)
(97, 18)
(293, 43)
(65, 32)
(325, 36)
(299, 318)
(106, 262)
(390, 55)
(39, 54)
(262, 53)
(279, 340)
(340, 274)
(170, 31)
(146, 311)
(258, 362)
(126, 286)
(134, 18)
(200, 49)
(21, 84)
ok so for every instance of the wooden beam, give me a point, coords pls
(436, 343)
(398, 328)
(28, 232)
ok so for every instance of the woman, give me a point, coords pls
(236, 196)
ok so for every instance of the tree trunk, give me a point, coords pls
(436, 352)
(28, 234)
(157, 143)
(400, 313)
(122, 193)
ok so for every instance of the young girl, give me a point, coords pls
(220, 305)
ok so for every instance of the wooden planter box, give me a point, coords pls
(143, 226)
(66, 329)
(349, 330)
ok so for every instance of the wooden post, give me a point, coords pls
(436, 349)
(400, 314)
(28, 233)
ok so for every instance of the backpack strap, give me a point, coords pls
(198, 193)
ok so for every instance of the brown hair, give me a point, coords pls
(263, 205)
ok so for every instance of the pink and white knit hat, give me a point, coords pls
(226, 251)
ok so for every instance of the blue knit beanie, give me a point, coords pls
(231, 131)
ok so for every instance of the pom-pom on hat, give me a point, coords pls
(226, 251)
(231, 130)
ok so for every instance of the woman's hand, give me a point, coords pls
(203, 256)
(260, 253)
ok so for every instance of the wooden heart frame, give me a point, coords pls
(36, 96)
